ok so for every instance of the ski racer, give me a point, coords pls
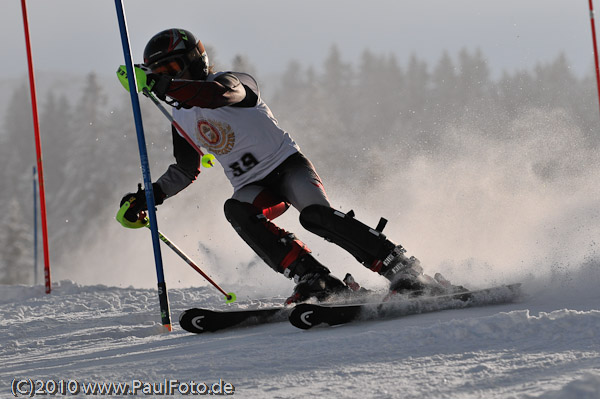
(224, 113)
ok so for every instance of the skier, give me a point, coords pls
(225, 113)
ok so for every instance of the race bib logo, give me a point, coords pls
(218, 137)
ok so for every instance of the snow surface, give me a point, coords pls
(547, 345)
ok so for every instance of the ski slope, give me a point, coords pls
(546, 345)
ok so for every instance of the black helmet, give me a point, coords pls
(173, 51)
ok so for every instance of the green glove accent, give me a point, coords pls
(140, 77)
(126, 223)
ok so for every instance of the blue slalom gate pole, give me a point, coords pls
(137, 114)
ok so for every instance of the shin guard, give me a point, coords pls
(369, 246)
(278, 248)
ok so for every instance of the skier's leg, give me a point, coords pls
(271, 205)
(302, 186)
(281, 250)
(278, 248)
(368, 245)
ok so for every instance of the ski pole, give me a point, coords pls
(230, 297)
(206, 159)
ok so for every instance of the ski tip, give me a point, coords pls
(303, 316)
(192, 320)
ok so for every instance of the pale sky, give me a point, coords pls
(83, 35)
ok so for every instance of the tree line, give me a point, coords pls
(339, 112)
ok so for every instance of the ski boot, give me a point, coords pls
(315, 282)
(406, 275)
(407, 278)
(402, 272)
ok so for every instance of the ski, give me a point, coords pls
(198, 321)
(306, 315)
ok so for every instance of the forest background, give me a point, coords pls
(427, 139)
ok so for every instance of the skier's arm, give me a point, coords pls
(177, 177)
(181, 174)
(225, 90)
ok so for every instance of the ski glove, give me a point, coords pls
(157, 83)
(137, 201)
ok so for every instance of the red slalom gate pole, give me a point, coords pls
(595, 49)
(38, 150)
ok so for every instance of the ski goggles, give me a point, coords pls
(173, 66)
(176, 65)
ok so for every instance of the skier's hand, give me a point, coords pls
(137, 202)
(159, 84)
(156, 82)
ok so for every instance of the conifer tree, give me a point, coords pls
(17, 247)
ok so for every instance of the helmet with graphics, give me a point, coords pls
(174, 51)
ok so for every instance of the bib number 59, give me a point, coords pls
(247, 162)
